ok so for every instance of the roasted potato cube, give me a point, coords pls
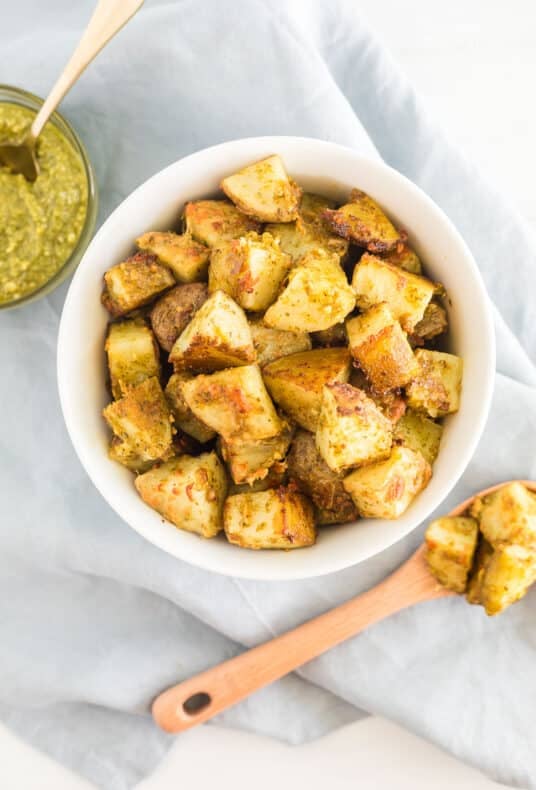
(276, 477)
(213, 222)
(316, 297)
(508, 575)
(217, 337)
(275, 519)
(188, 491)
(307, 468)
(264, 191)
(406, 294)
(251, 459)
(386, 489)
(330, 338)
(419, 433)
(295, 382)
(187, 258)
(126, 455)
(363, 222)
(351, 429)
(132, 355)
(134, 282)
(476, 507)
(481, 561)
(273, 344)
(509, 516)
(404, 257)
(450, 547)
(433, 323)
(437, 386)
(142, 421)
(234, 403)
(173, 312)
(380, 347)
(309, 231)
(185, 419)
(250, 269)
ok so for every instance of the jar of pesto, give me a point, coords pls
(45, 226)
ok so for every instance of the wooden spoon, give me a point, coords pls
(200, 698)
(107, 20)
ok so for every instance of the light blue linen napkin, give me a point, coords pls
(95, 621)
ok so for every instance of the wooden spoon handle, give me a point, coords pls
(209, 693)
(108, 18)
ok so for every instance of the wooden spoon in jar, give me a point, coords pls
(200, 698)
(107, 20)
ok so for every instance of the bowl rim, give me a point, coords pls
(31, 101)
(275, 572)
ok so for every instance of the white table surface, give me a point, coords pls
(474, 63)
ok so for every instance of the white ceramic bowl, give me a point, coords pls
(317, 166)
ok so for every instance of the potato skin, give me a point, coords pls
(271, 344)
(278, 518)
(433, 323)
(134, 282)
(309, 471)
(187, 491)
(363, 222)
(295, 382)
(451, 543)
(173, 312)
(212, 222)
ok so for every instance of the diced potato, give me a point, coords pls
(251, 459)
(509, 516)
(476, 507)
(134, 282)
(330, 338)
(406, 294)
(508, 575)
(450, 547)
(275, 519)
(234, 403)
(217, 337)
(307, 468)
(185, 419)
(213, 222)
(436, 388)
(273, 344)
(380, 347)
(142, 421)
(295, 382)
(316, 297)
(187, 258)
(433, 323)
(126, 455)
(386, 489)
(187, 491)
(351, 429)
(309, 231)
(363, 222)
(173, 312)
(264, 191)
(250, 269)
(132, 355)
(419, 433)
(482, 559)
(404, 257)
(276, 477)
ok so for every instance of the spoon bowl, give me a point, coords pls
(200, 698)
(21, 157)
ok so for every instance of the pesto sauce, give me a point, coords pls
(40, 222)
